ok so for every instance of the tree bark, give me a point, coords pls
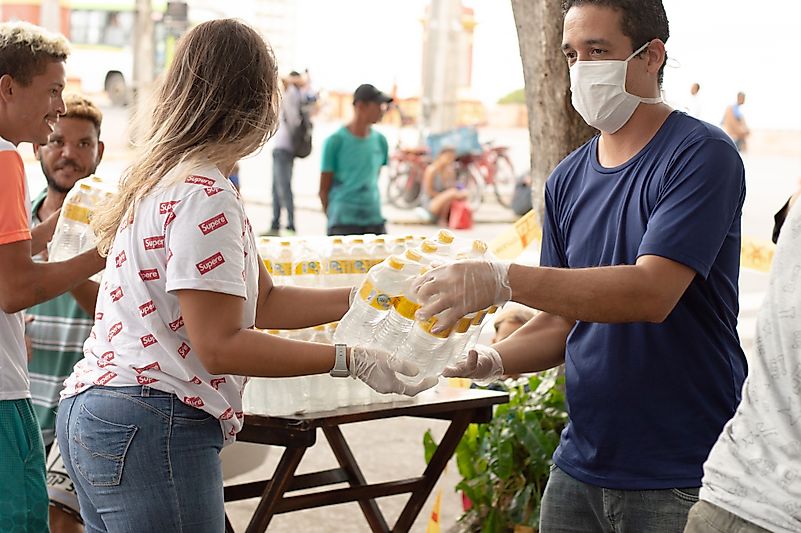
(555, 129)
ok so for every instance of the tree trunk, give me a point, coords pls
(555, 129)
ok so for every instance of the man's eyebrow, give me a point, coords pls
(588, 42)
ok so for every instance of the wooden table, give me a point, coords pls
(299, 433)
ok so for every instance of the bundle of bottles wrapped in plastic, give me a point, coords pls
(382, 313)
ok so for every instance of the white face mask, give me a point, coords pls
(599, 92)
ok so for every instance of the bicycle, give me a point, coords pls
(495, 169)
(406, 169)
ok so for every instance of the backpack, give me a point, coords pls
(302, 135)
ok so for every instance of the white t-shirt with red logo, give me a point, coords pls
(191, 233)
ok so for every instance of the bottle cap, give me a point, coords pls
(479, 247)
(444, 236)
(412, 255)
(395, 262)
(428, 247)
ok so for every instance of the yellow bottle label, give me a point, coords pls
(307, 268)
(479, 318)
(339, 266)
(405, 307)
(77, 213)
(374, 297)
(360, 266)
(268, 265)
(427, 325)
(463, 325)
(282, 269)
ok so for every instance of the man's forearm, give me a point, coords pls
(538, 345)
(44, 281)
(616, 294)
(86, 296)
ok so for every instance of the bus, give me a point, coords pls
(102, 36)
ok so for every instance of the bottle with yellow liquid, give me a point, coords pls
(73, 234)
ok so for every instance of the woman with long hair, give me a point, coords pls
(145, 414)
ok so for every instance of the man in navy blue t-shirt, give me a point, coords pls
(637, 284)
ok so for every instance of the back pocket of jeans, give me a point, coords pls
(98, 448)
(689, 495)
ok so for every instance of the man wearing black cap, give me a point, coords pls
(352, 159)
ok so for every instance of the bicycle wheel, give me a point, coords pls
(403, 188)
(466, 177)
(504, 181)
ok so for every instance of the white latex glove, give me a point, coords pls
(352, 295)
(482, 364)
(457, 289)
(378, 369)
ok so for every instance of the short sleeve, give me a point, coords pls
(699, 201)
(329, 158)
(384, 150)
(13, 203)
(205, 242)
(552, 252)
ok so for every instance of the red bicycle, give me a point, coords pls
(406, 169)
(495, 169)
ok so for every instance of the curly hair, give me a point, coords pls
(640, 20)
(80, 107)
(25, 50)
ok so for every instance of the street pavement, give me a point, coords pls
(392, 449)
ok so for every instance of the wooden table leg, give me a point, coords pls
(355, 477)
(275, 490)
(432, 472)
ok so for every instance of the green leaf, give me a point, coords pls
(429, 445)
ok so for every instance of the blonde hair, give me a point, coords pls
(79, 107)
(515, 313)
(25, 50)
(218, 100)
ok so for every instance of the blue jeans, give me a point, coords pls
(282, 188)
(142, 460)
(571, 506)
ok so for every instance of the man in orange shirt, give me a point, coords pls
(31, 82)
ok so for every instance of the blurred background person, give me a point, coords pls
(734, 123)
(440, 186)
(512, 318)
(352, 160)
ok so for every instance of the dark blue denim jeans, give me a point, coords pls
(142, 460)
(570, 506)
(283, 161)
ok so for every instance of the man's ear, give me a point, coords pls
(656, 55)
(100, 148)
(6, 87)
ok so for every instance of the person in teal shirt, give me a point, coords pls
(352, 159)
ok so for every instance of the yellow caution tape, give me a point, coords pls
(754, 254)
(513, 241)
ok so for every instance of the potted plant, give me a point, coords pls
(505, 463)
